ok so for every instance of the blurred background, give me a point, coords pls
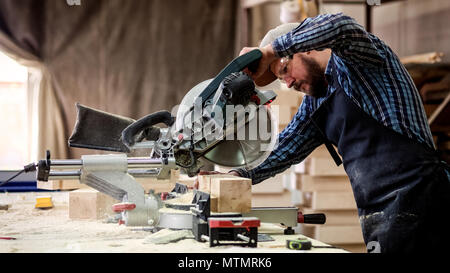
(135, 57)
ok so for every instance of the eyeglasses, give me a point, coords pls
(284, 68)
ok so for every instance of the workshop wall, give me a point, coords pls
(129, 58)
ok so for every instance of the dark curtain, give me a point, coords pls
(129, 57)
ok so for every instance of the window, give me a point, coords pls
(18, 122)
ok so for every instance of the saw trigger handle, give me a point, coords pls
(143, 128)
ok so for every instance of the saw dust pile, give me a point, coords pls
(25, 229)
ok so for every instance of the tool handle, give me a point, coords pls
(129, 133)
(313, 218)
(248, 60)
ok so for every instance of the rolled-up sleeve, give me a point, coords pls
(338, 32)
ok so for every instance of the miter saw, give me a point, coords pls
(224, 120)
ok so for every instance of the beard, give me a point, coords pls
(317, 82)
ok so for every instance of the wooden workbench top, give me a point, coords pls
(41, 231)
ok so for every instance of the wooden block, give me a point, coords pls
(334, 235)
(204, 181)
(324, 167)
(90, 204)
(272, 200)
(336, 217)
(328, 200)
(309, 183)
(234, 194)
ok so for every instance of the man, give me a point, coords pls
(360, 98)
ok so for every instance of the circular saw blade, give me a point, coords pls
(252, 147)
(248, 151)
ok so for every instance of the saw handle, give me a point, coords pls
(143, 127)
(313, 218)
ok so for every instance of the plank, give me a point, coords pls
(329, 200)
(429, 57)
(270, 185)
(324, 167)
(272, 200)
(309, 183)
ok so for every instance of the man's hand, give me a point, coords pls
(268, 56)
(212, 172)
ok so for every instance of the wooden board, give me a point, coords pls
(329, 200)
(270, 185)
(90, 204)
(234, 194)
(272, 200)
(324, 167)
(309, 183)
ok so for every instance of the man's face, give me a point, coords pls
(301, 72)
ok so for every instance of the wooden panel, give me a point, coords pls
(234, 194)
(90, 204)
(272, 200)
(271, 185)
(324, 167)
(310, 183)
(329, 200)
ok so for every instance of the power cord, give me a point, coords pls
(28, 168)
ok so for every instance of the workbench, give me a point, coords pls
(51, 230)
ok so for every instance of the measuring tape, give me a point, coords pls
(299, 244)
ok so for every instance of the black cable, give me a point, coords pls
(27, 168)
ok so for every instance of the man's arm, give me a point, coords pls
(296, 142)
(341, 33)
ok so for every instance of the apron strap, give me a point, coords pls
(337, 159)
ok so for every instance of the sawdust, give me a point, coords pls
(182, 199)
(52, 231)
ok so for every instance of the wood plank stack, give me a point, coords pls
(286, 105)
(325, 188)
(433, 82)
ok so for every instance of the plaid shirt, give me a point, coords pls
(368, 72)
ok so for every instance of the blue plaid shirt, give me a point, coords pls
(368, 72)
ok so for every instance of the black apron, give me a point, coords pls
(400, 186)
